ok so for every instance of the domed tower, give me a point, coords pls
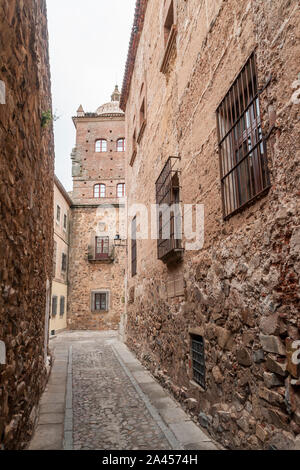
(96, 267)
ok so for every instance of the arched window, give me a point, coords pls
(101, 145)
(121, 147)
(99, 190)
(121, 190)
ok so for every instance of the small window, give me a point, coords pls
(54, 258)
(121, 190)
(101, 146)
(100, 302)
(62, 306)
(121, 146)
(133, 248)
(99, 190)
(243, 157)
(102, 247)
(58, 214)
(198, 360)
(65, 221)
(54, 305)
(64, 263)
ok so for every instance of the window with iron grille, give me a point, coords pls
(102, 247)
(101, 146)
(64, 263)
(121, 190)
(121, 145)
(54, 305)
(133, 248)
(169, 245)
(198, 360)
(243, 157)
(62, 306)
(100, 302)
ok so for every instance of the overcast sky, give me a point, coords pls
(89, 42)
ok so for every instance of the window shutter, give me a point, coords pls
(62, 306)
(54, 306)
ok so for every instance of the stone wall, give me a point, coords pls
(86, 276)
(241, 291)
(26, 215)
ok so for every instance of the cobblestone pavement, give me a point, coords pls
(100, 397)
(108, 413)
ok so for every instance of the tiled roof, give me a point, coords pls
(137, 28)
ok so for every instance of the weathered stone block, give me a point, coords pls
(224, 338)
(272, 380)
(258, 356)
(243, 357)
(272, 344)
(277, 367)
(261, 432)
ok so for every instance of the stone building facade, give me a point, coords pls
(216, 86)
(26, 214)
(61, 220)
(97, 250)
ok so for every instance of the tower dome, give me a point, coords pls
(113, 107)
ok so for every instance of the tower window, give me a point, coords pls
(101, 146)
(99, 190)
(121, 147)
(121, 190)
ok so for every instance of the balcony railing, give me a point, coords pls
(169, 244)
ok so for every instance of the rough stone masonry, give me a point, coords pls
(26, 214)
(240, 293)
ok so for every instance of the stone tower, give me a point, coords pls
(97, 254)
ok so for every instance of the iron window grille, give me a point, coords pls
(242, 149)
(102, 248)
(198, 360)
(133, 248)
(169, 244)
(100, 302)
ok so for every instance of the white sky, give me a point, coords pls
(89, 41)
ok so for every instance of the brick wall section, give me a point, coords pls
(26, 214)
(90, 168)
(244, 283)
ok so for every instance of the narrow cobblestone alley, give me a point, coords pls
(100, 397)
